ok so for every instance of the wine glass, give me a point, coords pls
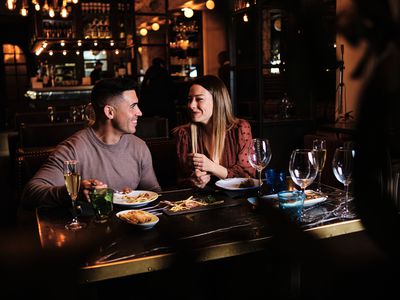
(303, 169)
(319, 147)
(342, 165)
(259, 156)
(72, 180)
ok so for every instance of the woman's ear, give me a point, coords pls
(109, 111)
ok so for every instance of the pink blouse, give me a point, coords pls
(234, 157)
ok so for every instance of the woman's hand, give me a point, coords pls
(88, 184)
(200, 179)
(202, 162)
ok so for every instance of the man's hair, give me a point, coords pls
(106, 90)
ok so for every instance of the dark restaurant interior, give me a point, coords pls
(296, 70)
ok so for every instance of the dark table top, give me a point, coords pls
(115, 249)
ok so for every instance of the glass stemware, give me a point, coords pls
(319, 147)
(342, 165)
(72, 180)
(259, 156)
(303, 169)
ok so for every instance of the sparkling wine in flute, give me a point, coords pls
(319, 148)
(72, 182)
(72, 179)
(320, 157)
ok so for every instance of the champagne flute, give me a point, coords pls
(319, 147)
(259, 155)
(342, 165)
(303, 169)
(72, 180)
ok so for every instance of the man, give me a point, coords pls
(108, 152)
(95, 75)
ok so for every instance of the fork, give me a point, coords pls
(151, 207)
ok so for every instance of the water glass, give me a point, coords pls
(291, 203)
(102, 203)
(270, 180)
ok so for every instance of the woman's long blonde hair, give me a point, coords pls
(222, 117)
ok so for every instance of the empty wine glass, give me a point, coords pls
(72, 179)
(259, 156)
(319, 147)
(303, 169)
(342, 164)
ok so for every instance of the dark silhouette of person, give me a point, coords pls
(96, 74)
(158, 92)
(224, 69)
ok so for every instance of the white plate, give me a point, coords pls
(234, 183)
(147, 225)
(307, 202)
(125, 200)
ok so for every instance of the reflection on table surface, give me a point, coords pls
(117, 249)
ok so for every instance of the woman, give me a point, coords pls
(214, 143)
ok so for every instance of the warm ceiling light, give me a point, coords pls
(116, 51)
(245, 18)
(188, 12)
(37, 53)
(112, 43)
(78, 52)
(11, 4)
(46, 5)
(62, 43)
(64, 12)
(24, 12)
(79, 43)
(65, 52)
(51, 13)
(75, 1)
(37, 6)
(143, 31)
(210, 4)
(51, 52)
(95, 43)
(155, 26)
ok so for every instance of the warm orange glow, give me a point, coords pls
(210, 4)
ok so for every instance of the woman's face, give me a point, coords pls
(200, 104)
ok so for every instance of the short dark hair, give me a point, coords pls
(105, 90)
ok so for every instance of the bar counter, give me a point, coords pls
(59, 95)
(118, 249)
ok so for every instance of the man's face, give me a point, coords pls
(127, 113)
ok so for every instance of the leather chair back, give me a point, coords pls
(46, 134)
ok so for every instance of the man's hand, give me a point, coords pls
(88, 184)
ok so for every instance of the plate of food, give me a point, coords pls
(134, 198)
(237, 184)
(193, 204)
(312, 198)
(139, 218)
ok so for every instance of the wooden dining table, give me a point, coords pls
(116, 249)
